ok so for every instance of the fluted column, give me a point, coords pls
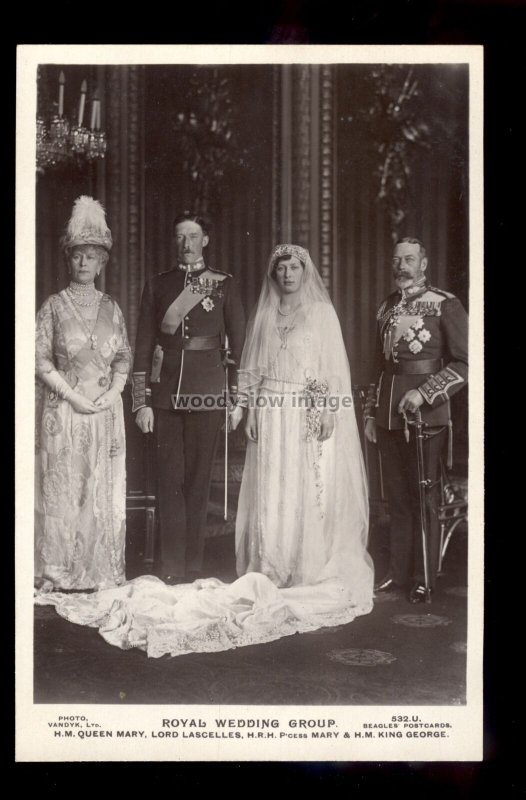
(328, 258)
(124, 188)
(303, 164)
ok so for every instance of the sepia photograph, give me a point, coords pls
(249, 463)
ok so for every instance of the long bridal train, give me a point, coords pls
(208, 615)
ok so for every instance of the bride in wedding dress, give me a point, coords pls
(302, 521)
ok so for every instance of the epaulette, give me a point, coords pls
(445, 294)
(166, 272)
(219, 271)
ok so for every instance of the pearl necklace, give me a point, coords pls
(288, 313)
(81, 290)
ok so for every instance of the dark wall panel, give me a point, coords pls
(240, 208)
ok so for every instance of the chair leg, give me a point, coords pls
(449, 523)
(448, 537)
(442, 549)
(149, 547)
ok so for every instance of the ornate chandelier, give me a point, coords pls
(63, 141)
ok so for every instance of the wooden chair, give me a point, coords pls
(452, 511)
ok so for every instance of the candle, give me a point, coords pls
(83, 90)
(98, 115)
(61, 82)
(94, 110)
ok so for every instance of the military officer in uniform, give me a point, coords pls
(179, 388)
(422, 360)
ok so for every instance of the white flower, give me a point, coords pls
(415, 346)
(409, 335)
(208, 304)
(424, 335)
(418, 324)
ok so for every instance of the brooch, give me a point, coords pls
(208, 304)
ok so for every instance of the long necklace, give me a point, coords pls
(284, 330)
(89, 331)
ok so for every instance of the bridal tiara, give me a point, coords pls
(290, 250)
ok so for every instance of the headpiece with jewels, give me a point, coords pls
(289, 250)
(87, 225)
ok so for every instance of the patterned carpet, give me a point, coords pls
(400, 654)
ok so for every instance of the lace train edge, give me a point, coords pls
(117, 626)
(217, 637)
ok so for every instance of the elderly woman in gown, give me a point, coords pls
(301, 529)
(82, 361)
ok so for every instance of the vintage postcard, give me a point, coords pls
(350, 160)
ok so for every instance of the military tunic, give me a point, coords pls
(179, 371)
(422, 344)
(170, 363)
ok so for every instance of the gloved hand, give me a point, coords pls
(235, 416)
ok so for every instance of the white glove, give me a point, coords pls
(235, 417)
(107, 399)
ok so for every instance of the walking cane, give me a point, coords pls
(423, 484)
(227, 423)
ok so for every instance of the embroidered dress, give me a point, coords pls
(80, 479)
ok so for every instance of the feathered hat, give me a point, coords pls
(87, 225)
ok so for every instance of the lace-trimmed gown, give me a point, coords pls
(80, 481)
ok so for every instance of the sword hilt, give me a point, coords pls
(417, 422)
(417, 417)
